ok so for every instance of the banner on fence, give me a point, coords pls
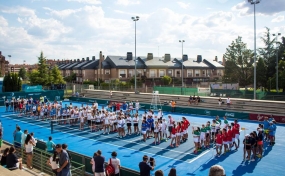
(260, 117)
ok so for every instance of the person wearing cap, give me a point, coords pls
(271, 129)
(64, 161)
(159, 114)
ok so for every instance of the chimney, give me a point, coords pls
(129, 56)
(185, 57)
(87, 58)
(83, 59)
(149, 56)
(0, 52)
(101, 56)
(57, 60)
(216, 58)
(199, 58)
(167, 57)
(93, 58)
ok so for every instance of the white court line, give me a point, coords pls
(107, 137)
(199, 156)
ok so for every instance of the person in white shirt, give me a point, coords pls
(137, 106)
(115, 163)
(24, 136)
(53, 163)
(93, 162)
(159, 114)
(136, 124)
(164, 129)
(106, 124)
(81, 117)
(129, 124)
(229, 102)
(29, 146)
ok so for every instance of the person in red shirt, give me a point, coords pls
(230, 137)
(219, 143)
(225, 140)
(233, 135)
(118, 107)
(178, 133)
(236, 131)
(186, 125)
(173, 134)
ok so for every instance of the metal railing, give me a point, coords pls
(40, 158)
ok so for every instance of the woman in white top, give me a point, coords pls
(164, 129)
(106, 123)
(136, 124)
(53, 163)
(29, 146)
(115, 163)
(93, 162)
(82, 119)
(129, 124)
(131, 106)
(156, 131)
(137, 106)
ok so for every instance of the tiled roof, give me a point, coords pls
(91, 65)
(160, 62)
(213, 64)
(192, 63)
(122, 62)
(71, 66)
(81, 64)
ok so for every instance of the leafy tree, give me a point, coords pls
(166, 80)
(261, 78)
(240, 62)
(12, 82)
(281, 75)
(34, 77)
(70, 78)
(56, 76)
(23, 73)
(42, 70)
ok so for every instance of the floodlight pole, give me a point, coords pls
(135, 19)
(182, 41)
(254, 2)
(276, 40)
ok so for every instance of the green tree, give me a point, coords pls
(166, 80)
(70, 78)
(34, 77)
(56, 76)
(281, 75)
(239, 64)
(42, 70)
(261, 78)
(12, 82)
(23, 73)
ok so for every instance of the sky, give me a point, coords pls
(72, 29)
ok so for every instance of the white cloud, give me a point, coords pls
(127, 2)
(95, 2)
(21, 11)
(278, 19)
(183, 5)
(61, 13)
(3, 21)
(264, 7)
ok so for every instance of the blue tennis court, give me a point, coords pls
(131, 148)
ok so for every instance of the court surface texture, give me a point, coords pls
(131, 148)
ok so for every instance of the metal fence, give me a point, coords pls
(40, 158)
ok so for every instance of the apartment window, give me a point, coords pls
(107, 81)
(178, 73)
(203, 72)
(161, 73)
(139, 73)
(169, 73)
(107, 72)
(197, 72)
(131, 73)
(152, 73)
(122, 73)
(189, 73)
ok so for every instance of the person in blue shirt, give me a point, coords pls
(18, 138)
(124, 106)
(265, 127)
(271, 133)
(274, 130)
(150, 123)
(144, 129)
(50, 145)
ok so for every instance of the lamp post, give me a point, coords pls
(135, 19)
(254, 2)
(276, 40)
(182, 41)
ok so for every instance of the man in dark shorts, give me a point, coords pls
(64, 162)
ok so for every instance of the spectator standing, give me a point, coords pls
(99, 164)
(172, 172)
(18, 138)
(29, 146)
(12, 160)
(93, 162)
(50, 145)
(220, 101)
(53, 163)
(24, 136)
(115, 163)
(64, 162)
(33, 138)
(144, 166)
(173, 104)
(217, 170)
(229, 102)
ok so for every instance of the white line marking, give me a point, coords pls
(104, 142)
(202, 154)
